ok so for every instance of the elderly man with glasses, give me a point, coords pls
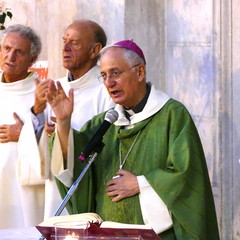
(152, 168)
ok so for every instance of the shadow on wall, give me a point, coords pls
(236, 153)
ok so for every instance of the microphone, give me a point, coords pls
(96, 141)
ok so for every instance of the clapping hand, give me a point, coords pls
(61, 105)
(40, 98)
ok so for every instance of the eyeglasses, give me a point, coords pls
(115, 74)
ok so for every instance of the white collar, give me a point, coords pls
(22, 86)
(87, 79)
(156, 100)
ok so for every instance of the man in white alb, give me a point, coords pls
(22, 103)
(82, 41)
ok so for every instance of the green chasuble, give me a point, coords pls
(168, 152)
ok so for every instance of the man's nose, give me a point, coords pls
(66, 46)
(109, 80)
(11, 55)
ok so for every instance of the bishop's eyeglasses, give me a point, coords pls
(114, 74)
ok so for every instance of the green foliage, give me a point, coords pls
(3, 15)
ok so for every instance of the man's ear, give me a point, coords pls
(141, 72)
(95, 50)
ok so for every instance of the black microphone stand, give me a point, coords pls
(74, 186)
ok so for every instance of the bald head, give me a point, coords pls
(82, 42)
(95, 31)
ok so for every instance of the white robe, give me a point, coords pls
(21, 184)
(90, 98)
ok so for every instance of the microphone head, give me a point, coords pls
(111, 116)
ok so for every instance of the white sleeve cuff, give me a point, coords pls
(154, 210)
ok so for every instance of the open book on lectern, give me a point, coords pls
(98, 226)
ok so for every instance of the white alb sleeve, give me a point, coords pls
(57, 161)
(29, 165)
(154, 211)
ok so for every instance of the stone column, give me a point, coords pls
(229, 120)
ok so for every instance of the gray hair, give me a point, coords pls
(25, 32)
(130, 56)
